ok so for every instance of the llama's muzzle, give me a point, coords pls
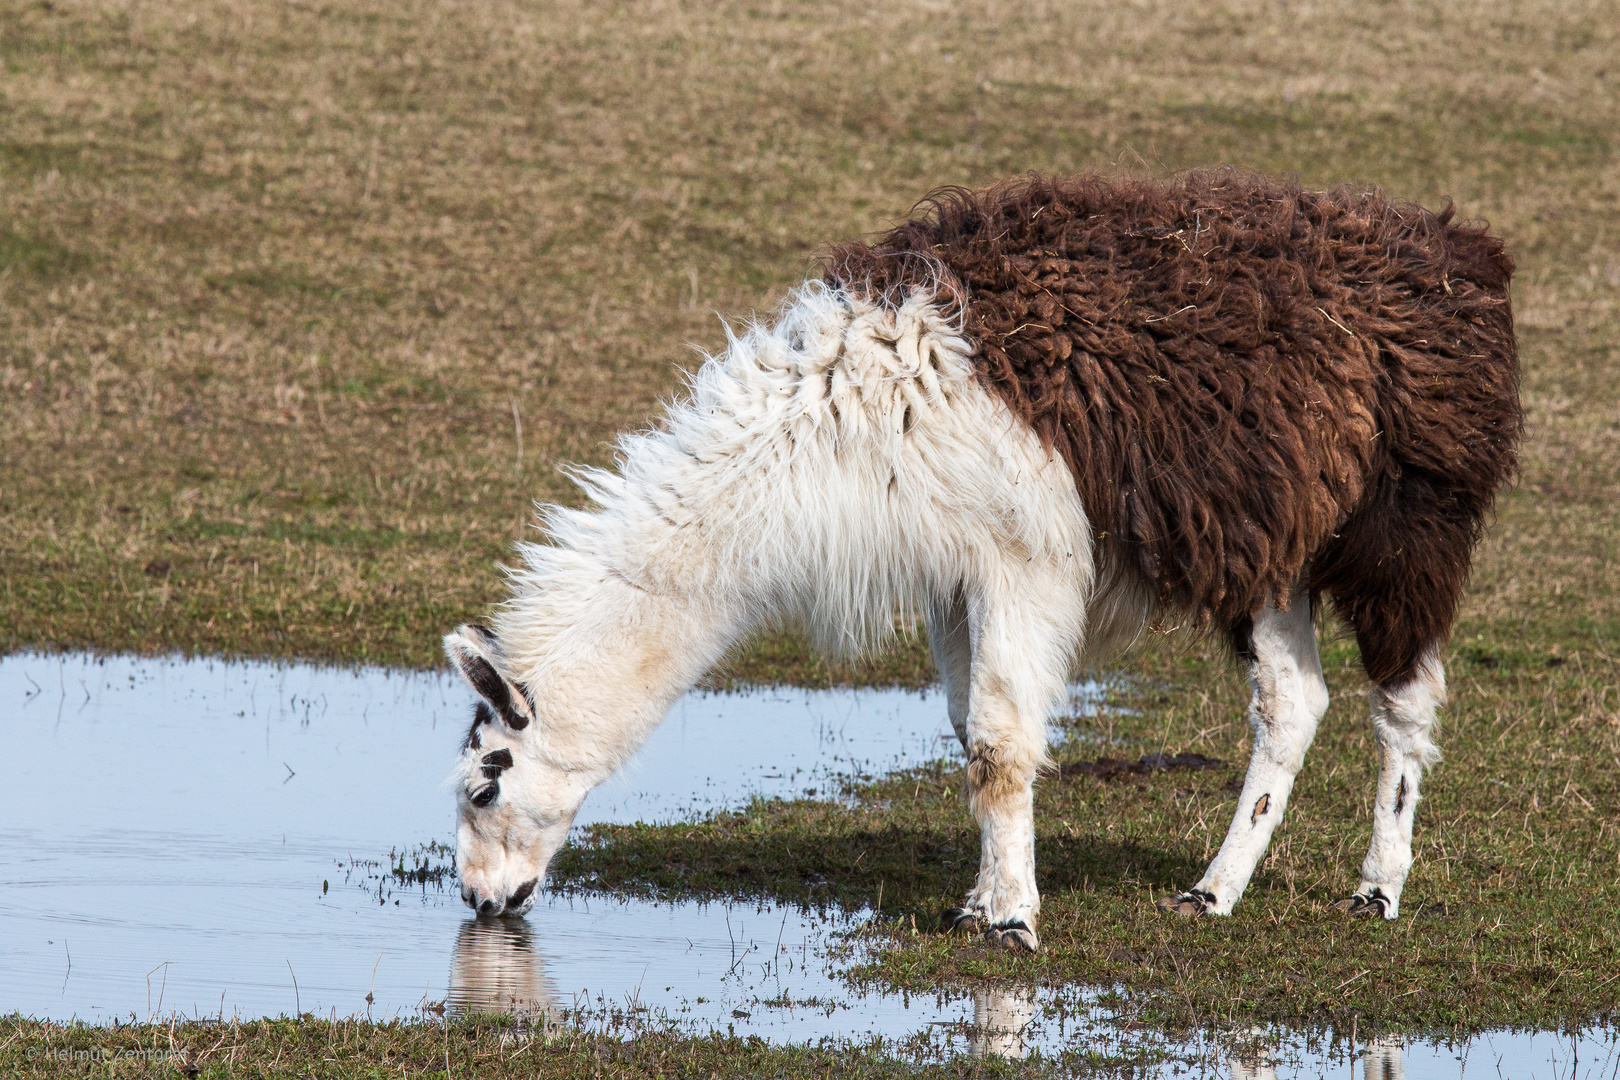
(515, 905)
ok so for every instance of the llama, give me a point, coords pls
(1040, 414)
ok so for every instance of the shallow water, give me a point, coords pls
(202, 836)
(215, 838)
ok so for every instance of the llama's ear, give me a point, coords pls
(471, 648)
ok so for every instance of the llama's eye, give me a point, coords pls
(485, 795)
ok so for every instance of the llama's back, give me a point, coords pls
(1233, 368)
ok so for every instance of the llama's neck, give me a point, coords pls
(795, 482)
(604, 658)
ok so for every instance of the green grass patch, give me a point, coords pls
(39, 258)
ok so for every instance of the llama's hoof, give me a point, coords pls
(1189, 905)
(1015, 935)
(956, 918)
(1365, 905)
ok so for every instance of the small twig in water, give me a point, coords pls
(297, 1003)
(371, 994)
(149, 989)
(778, 951)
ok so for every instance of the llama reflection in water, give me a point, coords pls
(496, 968)
(999, 1020)
(1384, 1058)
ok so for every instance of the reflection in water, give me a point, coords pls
(999, 1019)
(1253, 1060)
(1385, 1058)
(495, 968)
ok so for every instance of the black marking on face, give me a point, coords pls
(1261, 805)
(494, 762)
(523, 892)
(485, 795)
(1400, 797)
(493, 689)
(481, 716)
(483, 631)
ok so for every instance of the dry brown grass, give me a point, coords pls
(280, 280)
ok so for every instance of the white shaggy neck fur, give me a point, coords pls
(837, 470)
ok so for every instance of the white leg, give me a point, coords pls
(1021, 649)
(951, 642)
(1288, 702)
(1403, 721)
(952, 646)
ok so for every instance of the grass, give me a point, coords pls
(1506, 920)
(280, 282)
(484, 1047)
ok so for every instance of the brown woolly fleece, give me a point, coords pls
(1249, 381)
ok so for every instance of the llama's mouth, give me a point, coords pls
(515, 905)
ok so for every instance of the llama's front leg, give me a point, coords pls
(1020, 653)
(1403, 721)
(952, 646)
(951, 643)
(1001, 793)
(1288, 701)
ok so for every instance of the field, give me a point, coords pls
(302, 304)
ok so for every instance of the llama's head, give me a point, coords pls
(515, 804)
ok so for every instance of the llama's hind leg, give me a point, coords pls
(1288, 701)
(1403, 717)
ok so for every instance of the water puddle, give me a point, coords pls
(218, 839)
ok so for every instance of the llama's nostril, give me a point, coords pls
(524, 891)
(488, 907)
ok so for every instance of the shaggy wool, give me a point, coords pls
(1250, 381)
